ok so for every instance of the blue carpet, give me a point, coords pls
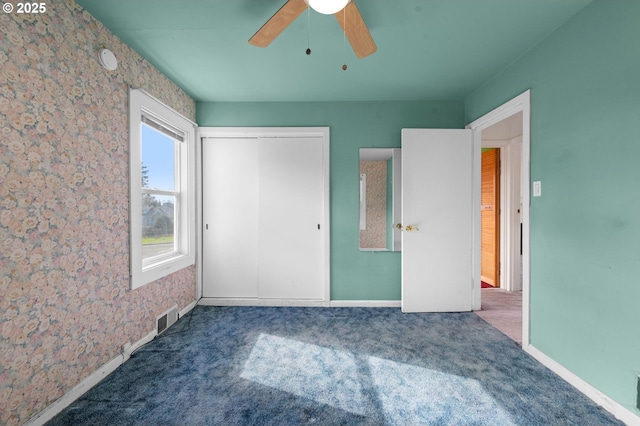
(331, 366)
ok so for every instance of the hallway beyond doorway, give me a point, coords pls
(503, 310)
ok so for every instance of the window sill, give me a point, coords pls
(161, 269)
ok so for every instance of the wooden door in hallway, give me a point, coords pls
(490, 217)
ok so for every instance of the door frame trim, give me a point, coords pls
(268, 132)
(521, 103)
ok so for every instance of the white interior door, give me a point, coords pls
(291, 239)
(438, 199)
(230, 217)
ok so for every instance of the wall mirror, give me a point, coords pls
(380, 206)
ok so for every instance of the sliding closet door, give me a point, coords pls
(291, 243)
(265, 211)
(230, 217)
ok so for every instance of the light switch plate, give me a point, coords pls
(537, 188)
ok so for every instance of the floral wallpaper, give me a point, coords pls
(375, 236)
(65, 304)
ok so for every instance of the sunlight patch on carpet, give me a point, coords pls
(418, 395)
(325, 375)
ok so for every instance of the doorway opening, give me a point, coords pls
(504, 133)
(501, 205)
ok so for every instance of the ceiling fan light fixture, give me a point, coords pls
(327, 7)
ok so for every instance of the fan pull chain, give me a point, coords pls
(308, 30)
(344, 39)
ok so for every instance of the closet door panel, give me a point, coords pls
(230, 217)
(291, 199)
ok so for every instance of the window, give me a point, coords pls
(162, 173)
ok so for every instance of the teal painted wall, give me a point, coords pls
(585, 229)
(355, 275)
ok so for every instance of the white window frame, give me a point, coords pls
(141, 273)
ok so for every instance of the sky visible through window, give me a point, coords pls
(158, 151)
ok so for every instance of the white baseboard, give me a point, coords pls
(187, 309)
(618, 410)
(366, 304)
(146, 339)
(63, 402)
(217, 301)
(96, 377)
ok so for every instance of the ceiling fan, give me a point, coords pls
(346, 12)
